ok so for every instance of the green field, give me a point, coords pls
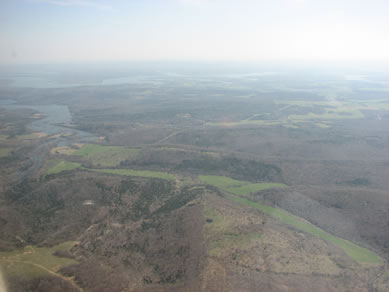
(342, 113)
(141, 173)
(62, 166)
(357, 253)
(247, 123)
(31, 136)
(106, 155)
(333, 109)
(237, 186)
(4, 152)
(33, 262)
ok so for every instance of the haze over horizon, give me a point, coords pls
(280, 30)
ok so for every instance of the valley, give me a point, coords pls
(202, 182)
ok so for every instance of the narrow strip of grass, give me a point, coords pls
(62, 166)
(141, 173)
(237, 186)
(245, 123)
(357, 253)
(31, 136)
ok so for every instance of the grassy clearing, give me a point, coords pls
(35, 261)
(386, 275)
(141, 173)
(290, 126)
(246, 123)
(284, 122)
(32, 136)
(62, 166)
(66, 150)
(357, 253)
(232, 239)
(323, 125)
(237, 186)
(222, 235)
(106, 155)
(218, 222)
(337, 114)
(4, 152)
(202, 152)
(335, 109)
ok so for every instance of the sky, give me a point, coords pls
(36, 31)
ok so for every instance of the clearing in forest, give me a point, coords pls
(106, 155)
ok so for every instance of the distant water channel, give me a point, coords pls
(54, 120)
(47, 83)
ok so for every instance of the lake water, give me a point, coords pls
(55, 119)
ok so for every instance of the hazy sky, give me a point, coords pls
(90, 30)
